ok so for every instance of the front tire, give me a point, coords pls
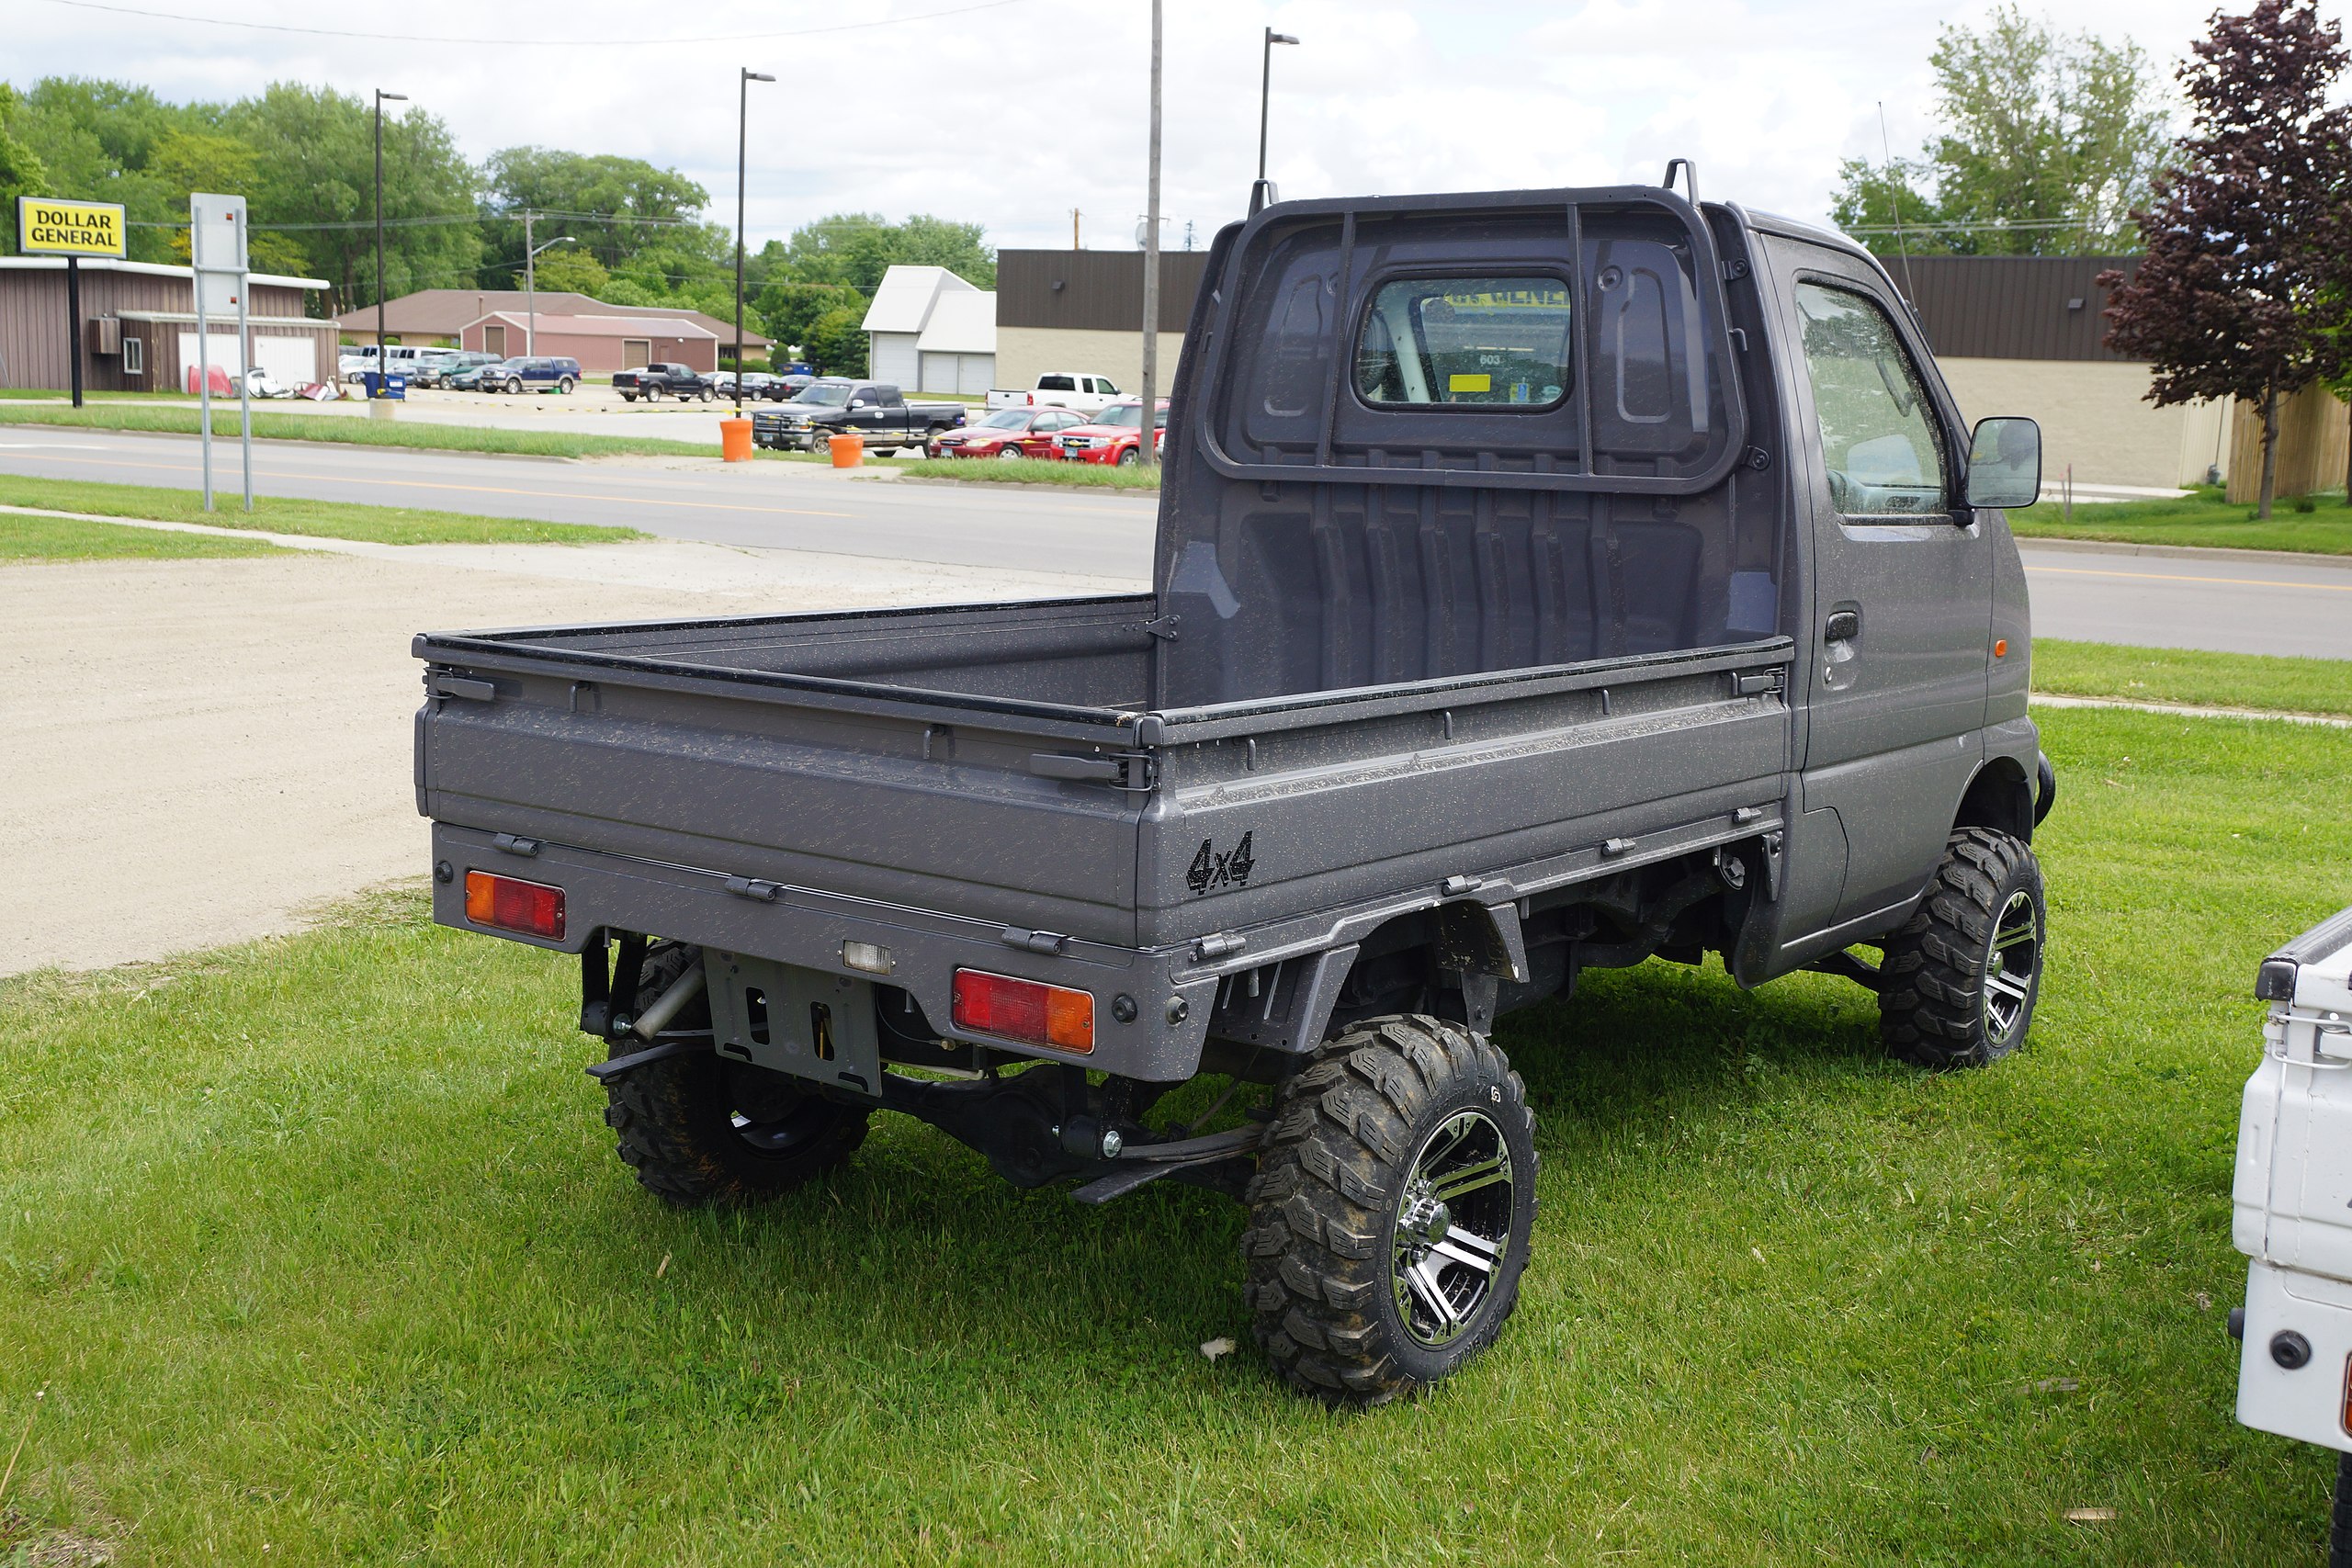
(700, 1130)
(1130, 458)
(1960, 977)
(1391, 1213)
(514, 385)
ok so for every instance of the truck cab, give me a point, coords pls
(1546, 581)
(2290, 1205)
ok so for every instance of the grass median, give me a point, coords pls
(2180, 675)
(2202, 519)
(26, 540)
(319, 1245)
(359, 431)
(1033, 470)
(283, 515)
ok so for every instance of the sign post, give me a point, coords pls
(217, 247)
(48, 227)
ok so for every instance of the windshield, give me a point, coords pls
(1007, 419)
(1128, 416)
(833, 397)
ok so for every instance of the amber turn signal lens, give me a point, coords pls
(504, 904)
(2000, 647)
(1025, 1010)
(2347, 1395)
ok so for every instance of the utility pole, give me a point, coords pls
(1073, 228)
(383, 386)
(742, 144)
(1147, 447)
(530, 290)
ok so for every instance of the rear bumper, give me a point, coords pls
(805, 928)
(2306, 1402)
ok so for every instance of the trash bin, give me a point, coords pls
(848, 451)
(380, 385)
(735, 440)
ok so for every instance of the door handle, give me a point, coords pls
(1843, 626)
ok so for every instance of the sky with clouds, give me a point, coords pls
(1010, 113)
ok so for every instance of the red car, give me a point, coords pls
(1115, 436)
(1008, 432)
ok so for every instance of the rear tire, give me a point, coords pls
(699, 1130)
(2339, 1551)
(1960, 977)
(1391, 1213)
(564, 386)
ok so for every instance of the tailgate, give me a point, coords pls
(920, 798)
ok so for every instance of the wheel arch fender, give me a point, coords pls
(2000, 796)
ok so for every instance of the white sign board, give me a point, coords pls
(216, 232)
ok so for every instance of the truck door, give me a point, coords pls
(1902, 579)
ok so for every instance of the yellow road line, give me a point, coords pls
(2183, 577)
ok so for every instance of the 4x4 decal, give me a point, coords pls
(1211, 870)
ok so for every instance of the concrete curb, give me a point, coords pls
(2191, 710)
(2029, 543)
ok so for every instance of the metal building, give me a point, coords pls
(137, 332)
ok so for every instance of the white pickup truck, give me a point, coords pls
(1057, 390)
(2291, 1207)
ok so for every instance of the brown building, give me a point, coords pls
(599, 343)
(137, 330)
(442, 316)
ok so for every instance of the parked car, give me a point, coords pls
(535, 373)
(1506, 654)
(469, 379)
(875, 411)
(445, 368)
(2291, 1207)
(756, 384)
(1057, 390)
(1007, 432)
(1115, 437)
(655, 382)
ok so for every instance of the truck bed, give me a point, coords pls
(997, 762)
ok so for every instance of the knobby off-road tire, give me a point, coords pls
(1960, 977)
(1390, 1214)
(699, 1130)
(2339, 1551)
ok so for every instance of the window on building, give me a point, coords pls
(134, 356)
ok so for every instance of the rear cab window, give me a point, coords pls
(1486, 342)
(1056, 384)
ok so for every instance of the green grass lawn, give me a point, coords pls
(280, 514)
(2201, 519)
(2173, 675)
(319, 1245)
(354, 431)
(24, 539)
(1033, 470)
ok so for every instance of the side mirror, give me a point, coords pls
(2005, 463)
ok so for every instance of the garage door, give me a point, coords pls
(895, 360)
(975, 372)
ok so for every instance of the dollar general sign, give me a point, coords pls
(48, 228)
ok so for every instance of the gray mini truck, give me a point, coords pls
(1546, 581)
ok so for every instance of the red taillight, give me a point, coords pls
(1025, 1010)
(504, 904)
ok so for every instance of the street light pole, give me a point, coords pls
(531, 283)
(1261, 193)
(382, 385)
(742, 144)
(1147, 444)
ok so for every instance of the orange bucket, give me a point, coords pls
(735, 440)
(849, 451)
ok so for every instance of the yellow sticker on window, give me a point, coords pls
(1480, 383)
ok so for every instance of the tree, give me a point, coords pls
(836, 343)
(182, 162)
(2251, 234)
(315, 161)
(791, 309)
(853, 250)
(21, 172)
(614, 206)
(2048, 143)
(569, 268)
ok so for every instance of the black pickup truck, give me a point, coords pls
(655, 382)
(1547, 582)
(875, 411)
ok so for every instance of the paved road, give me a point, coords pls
(2243, 606)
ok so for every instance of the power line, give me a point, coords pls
(532, 43)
